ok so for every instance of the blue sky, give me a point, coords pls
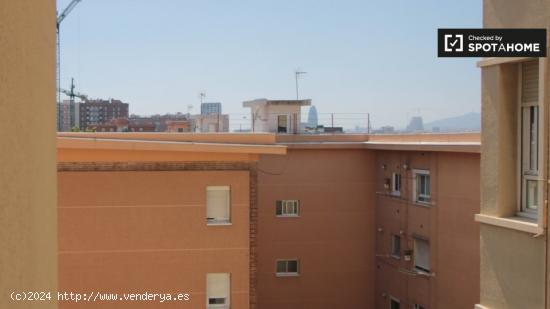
(361, 56)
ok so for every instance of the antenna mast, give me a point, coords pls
(297, 73)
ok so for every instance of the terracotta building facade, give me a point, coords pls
(175, 219)
(346, 221)
(426, 240)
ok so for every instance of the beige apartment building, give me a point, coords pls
(28, 220)
(514, 167)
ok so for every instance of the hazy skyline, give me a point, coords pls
(377, 57)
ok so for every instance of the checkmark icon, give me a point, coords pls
(453, 43)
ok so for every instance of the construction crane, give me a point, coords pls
(73, 111)
(60, 19)
(72, 94)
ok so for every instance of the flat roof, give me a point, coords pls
(445, 142)
(266, 143)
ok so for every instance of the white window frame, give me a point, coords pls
(526, 174)
(395, 184)
(227, 304)
(417, 267)
(395, 300)
(289, 208)
(287, 273)
(418, 306)
(393, 246)
(224, 221)
(416, 195)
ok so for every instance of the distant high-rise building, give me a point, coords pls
(211, 108)
(95, 112)
(416, 124)
(312, 118)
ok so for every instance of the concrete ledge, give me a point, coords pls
(495, 61)
(152, 145)
(478, 306)
(514, 223)
(470, 147)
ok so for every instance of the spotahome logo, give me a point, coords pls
(491, 42)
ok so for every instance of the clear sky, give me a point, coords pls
(361, 56)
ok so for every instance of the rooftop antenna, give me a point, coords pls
(297, 73)
(202, 95)
(189, 108)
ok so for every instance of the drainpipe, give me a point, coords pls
(547, 169)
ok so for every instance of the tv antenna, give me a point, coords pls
(202, 95)
(297, 73)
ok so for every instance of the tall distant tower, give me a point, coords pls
(312, 119)
(211, 108)
(416, 124)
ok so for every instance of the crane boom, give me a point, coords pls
(72, 94)
(66, 11)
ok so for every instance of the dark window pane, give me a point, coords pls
(279, 208)
(281, 266)
(292, 266)
(216, 301)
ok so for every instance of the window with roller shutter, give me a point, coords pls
(529, 118)
(218, 205)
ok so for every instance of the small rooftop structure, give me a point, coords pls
(276, 116)
(259, 102)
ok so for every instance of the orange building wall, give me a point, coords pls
(448, 224)
(333, 237)
(140, 231)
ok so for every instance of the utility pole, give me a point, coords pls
(368, 123)
(296, 75)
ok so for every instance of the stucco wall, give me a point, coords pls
(28, 229)
(333, 237)
(507, 281)
(516, 14)
(137, 231)
(447, 224)
(513, 267)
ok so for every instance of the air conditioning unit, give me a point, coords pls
(407, 255)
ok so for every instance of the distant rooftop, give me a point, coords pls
(305, 102)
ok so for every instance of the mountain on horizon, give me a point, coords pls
(467, 122)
